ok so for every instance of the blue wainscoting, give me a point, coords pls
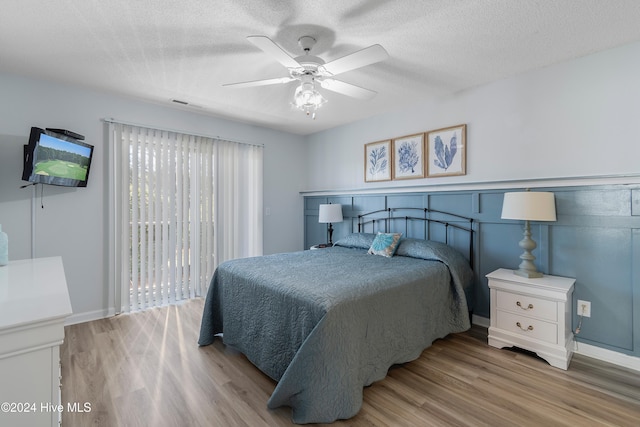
(596, 240)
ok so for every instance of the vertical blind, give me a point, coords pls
(184, 203)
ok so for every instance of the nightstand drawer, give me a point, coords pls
(527, 306)
(528, 327)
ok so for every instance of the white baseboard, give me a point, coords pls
(480, 321)
(588, 350)
(102, 314)
(610, 356)
(89, 316)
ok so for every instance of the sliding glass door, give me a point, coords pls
(183, 203)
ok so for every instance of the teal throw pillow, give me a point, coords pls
(385, 244)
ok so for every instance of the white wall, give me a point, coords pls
(73, 223)
(574, 119)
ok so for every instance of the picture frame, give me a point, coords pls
(446, 151)
(378, 161)
(408, 157)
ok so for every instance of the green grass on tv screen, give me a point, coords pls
(62, 169)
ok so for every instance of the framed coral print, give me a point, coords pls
(377, 161)
(446, 151)
(408, 157)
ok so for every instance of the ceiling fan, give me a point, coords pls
(310, 69)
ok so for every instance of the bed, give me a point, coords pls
(325, 323)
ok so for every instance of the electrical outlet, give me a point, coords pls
(584, 308)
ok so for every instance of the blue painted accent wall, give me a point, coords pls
(596, 240)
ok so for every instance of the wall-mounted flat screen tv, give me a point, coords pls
(56, 159)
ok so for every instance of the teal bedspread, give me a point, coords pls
(326, 323)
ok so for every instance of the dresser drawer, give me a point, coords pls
(527, 305)
(528, 327)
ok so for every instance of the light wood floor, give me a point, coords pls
(146, 369)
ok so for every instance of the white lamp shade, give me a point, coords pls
(330, 213)
(529, 205)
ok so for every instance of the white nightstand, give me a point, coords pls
(533, 314)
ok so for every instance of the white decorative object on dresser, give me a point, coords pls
(34, 303)
(532, 314)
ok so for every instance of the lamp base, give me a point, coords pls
(330, 234)
(527, 268)
(528, 274)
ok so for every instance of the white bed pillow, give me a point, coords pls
(356, 240)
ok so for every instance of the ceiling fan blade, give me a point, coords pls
(368, 55)
(347, 89)
(268, 46)
(266, 82)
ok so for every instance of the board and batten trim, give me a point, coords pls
(595, 240)
(436, 185)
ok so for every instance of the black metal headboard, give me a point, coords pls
(388, 222)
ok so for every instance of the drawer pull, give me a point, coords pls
(530, 328)
(529, 307)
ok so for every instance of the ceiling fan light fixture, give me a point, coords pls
(308, 69)
(307, 98)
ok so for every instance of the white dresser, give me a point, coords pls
(533, 314)
(34, 303)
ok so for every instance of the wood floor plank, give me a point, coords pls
(146, 369)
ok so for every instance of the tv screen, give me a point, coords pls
(53, 158)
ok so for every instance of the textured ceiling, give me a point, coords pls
(160, 50)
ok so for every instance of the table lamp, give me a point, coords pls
(329, 214)
(528, 206)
